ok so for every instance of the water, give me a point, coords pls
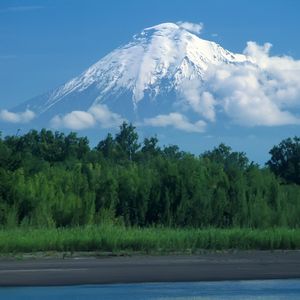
(258, 289)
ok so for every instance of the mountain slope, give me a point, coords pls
(154, 66)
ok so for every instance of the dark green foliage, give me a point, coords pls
(107, 147)
(127, 142)
(55, 180)
(285, 160)
(150, 148)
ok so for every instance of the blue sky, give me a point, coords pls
(45, 43)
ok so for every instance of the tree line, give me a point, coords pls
(50, 179)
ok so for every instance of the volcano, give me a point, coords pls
(153, 76)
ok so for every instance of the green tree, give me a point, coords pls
(107, 147)
(285, 160)
(127, 141)
(150, 147)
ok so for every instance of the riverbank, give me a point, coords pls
(239, 265)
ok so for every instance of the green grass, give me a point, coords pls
(145, 240)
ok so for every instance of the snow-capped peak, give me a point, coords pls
(163, 53)
(163, 26)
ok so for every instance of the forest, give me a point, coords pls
(54, 180)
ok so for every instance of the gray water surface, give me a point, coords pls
(257, 289)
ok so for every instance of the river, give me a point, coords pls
(256, 289)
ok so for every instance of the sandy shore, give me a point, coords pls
(134, 269)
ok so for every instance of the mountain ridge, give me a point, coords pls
(159, 60)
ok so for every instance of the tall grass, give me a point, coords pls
(108, 238)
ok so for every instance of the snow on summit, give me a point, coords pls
(167, 74)
(166, 51)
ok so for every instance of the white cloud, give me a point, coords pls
(282, 74)
(16, 117)
(78, 120)
(105, 117)
(176, 120)
(201, 102)
(192, 27)
(75, 120)
(265, 91)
